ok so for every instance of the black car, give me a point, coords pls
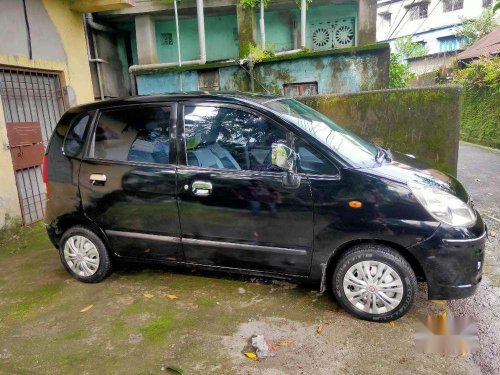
(260, 185)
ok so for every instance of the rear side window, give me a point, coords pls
(133, 134)
(75, 137)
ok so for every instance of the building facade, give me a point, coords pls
(433, 23)
(323, 47)
(44, 69)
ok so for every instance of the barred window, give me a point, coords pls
(419, 11)
(451, 5)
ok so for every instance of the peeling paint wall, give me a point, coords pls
(58, 44)
(424, 122)
(334, 74)
(347, 71)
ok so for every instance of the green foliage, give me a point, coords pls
(480, 114)
(483, 72)
(256, 3)
(299, 3)
(496, 7)
(399, 73)
(474, 29)
(258, 54)
(252, 3)
(406, 48)
(481, 104)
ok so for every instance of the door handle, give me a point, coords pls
(201, 188)
(97, 179)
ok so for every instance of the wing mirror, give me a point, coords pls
(283, 156)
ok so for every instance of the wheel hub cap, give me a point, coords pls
(81, 256)
(373, 287)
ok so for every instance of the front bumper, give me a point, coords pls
(452, 260)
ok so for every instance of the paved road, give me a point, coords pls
(479, 171)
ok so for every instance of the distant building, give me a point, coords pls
(433, 23)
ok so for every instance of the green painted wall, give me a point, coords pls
(220, 33)
(423, 122)
(481, 117)
(278, 24)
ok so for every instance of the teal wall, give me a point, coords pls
(167, 82)
(220, 34)
(344, 71)
(278, 24)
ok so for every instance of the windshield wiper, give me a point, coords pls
(384, 153)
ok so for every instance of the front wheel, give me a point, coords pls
(374, 282)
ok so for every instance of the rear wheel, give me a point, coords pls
(374, 282)
(84, 255)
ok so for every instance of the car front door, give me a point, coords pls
(128, 182)
(235, 210)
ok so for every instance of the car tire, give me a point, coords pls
(377, 276)
(84, 255)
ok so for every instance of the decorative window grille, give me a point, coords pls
(339, 33)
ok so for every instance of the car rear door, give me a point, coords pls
(235, 210)
(128, 180)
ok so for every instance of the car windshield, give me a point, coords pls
(348, 145)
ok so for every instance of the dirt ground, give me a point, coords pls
(133, 327)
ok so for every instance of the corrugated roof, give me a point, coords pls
(487, 45)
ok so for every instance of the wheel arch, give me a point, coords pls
(339, 251)
(66, 222)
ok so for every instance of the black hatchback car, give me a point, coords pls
(258, 185)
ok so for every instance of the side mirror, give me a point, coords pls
(283, 156)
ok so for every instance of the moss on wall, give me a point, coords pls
(481, 117)
(246, 29)
(423, 122)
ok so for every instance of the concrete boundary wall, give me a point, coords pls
(424, 122)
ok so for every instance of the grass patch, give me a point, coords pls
(17, 238)
(158, 329)
(28, 300)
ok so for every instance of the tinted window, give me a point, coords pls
(75, 138)
(133, 134)
(227, 138)
(313, 162)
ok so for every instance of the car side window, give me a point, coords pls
(75, 137)
(228, 138)
(313, 162)
(136, 134)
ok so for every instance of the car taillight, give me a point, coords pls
(45, 173)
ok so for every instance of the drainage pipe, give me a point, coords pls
(177, 32)
(201, 30)
(303, 8)
(262, 26)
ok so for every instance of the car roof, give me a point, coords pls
(228, 96)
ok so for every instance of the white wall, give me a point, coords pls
(436, 24)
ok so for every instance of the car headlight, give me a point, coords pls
(443, 206)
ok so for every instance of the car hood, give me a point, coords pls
(405, 169)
